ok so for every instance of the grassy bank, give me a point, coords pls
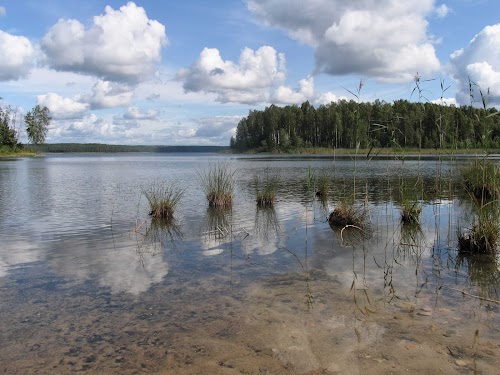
(8, 152)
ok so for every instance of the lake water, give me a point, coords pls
(89, 284)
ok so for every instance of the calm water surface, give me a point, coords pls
(89, 284)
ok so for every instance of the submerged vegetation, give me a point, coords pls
(218, 182)
(266, 188)
(162, 197)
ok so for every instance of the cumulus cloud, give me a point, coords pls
(386, 39)
(16, 56)
(3, 11)
(121, 45)
(62, 108)
(442, 11)
(328, 97)
(218, 128)
(153, 97)
(286, 95)
(248, 81)
(106, 94)
(479, 62)
(445, 101)
(134, 113)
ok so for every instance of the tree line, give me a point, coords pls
(351, 124)
(36, 123)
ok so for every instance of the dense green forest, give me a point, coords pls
(98, 147)
(351, 124)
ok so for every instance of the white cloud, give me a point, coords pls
(442, 11)
(286, 95)
(479, 61)
(445, 101)
(386, 39)
(107, 94)
(121, 45)
(62, 108)
(3, 11)
(249, 81)
(16, 56)
(134, 113)
(219, 128)
(327, 98)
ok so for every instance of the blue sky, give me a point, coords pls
(158, 72)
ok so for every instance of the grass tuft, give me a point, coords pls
(410, 212)
(266, 188)
(347, 214)
(482, 179)
(322, 185)
(218, 183)
(162, 197)
(483, 235)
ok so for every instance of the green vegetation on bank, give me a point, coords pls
(350, 124)
(7, 151)
(35, 121)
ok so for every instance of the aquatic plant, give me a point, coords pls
(162, 197)
(482, 179)
(322, 185)
(218, 182)
(346, 213)
(310, 181)
(483, 235)
(266, 188)
(410, 212)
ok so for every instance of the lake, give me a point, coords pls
(89, 284)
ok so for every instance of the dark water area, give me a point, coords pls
(88, 283)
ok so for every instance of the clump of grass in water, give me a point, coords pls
(162, 197)
(410, 212)
(346, 213)
(218, 183)
(266, 189)
(483, 236)
(322, 185)
(482, 179)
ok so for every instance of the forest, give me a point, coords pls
(352, 124)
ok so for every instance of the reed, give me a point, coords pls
(482, 179)
(162, 197)
(323, 185)
(346, 213)
(483, 235)
(218, 182)
(410, 212)
(266, 188)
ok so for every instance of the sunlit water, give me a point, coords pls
(88, 283)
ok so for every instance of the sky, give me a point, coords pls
(186, 72)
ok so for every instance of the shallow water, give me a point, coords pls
(89, 284)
